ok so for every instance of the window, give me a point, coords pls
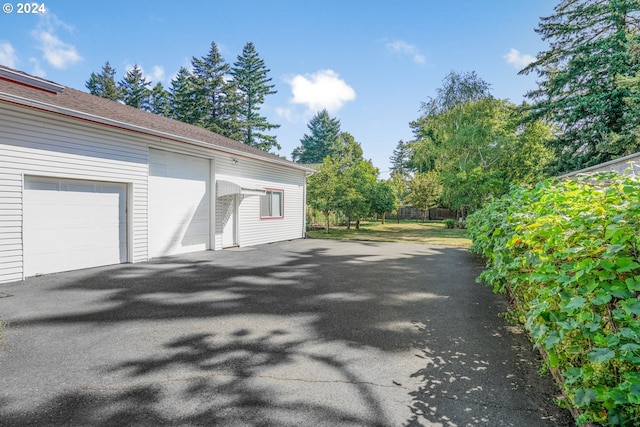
(271, 204)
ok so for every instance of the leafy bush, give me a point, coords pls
(568, 253)
(450, 223)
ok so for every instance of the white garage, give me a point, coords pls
(73, 224)
(179, 189)
(87, 182)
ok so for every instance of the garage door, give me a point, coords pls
(71, 224)
(178, 203)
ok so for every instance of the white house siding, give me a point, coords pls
(253, 230)
(34, 143)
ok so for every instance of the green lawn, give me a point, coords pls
(431, 233)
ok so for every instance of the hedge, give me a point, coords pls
(568, 253)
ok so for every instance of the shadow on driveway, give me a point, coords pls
(308, 332)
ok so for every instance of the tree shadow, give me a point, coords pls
(282, 335)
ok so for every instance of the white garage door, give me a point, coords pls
(178, 203)
(71, 224)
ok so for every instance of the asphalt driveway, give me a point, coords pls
(301, 333)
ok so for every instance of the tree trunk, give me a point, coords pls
(326, 217)
(348, 223)
(357, 224)
(424, 214)
(383, 215)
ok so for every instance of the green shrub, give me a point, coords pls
(568, 253)
(450, 223)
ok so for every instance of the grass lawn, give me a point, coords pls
(430, 232)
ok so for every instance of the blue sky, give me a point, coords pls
(369, 62)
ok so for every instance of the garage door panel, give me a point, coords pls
(179, 188)
(72, 224)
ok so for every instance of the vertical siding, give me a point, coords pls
(252, 229)
(36, 143)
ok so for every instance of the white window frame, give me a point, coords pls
(267, 205)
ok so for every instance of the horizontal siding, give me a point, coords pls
(252, 229)
(37, 143)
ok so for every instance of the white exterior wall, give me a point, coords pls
(36, 143)
(252, 230)
(41, 144)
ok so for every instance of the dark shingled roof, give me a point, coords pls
(35, 92)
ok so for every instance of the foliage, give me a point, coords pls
(182, 98)
(323, 140)
(214, 93)
(424, 190)
(104, 84)
(249, 74)
(383, 199)
(323, 191)
(134, 89)
(400, 160)
(159, 100)
(591, 45)
(400, 188)
(356, 189)
(450, 223)
(478, 145)
(569, 254)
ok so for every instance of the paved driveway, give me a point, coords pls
(301, 333)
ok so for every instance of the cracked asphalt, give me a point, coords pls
(300, 333)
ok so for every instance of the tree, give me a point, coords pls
(134, 89)
(104, 84)
(323, 189)
(591, 44)
(356, 189)
(182, 98)
(383, 199)
(250, 76)
(424, 190)
(159, 100)
(323, 141)
(215, 95)
(400, 160)
(399, 188)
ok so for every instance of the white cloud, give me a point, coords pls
(37, 69)
(8, 55)
(517, 59)
(323, 89)
(57, 53)
(401, 47)
(157, 73)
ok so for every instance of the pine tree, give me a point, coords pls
(104, 84)
(182, 98)
(215, 94)
(134, 88)
(250, 76)
(323, 141)
(159, 100)
(400, 159)
(590, 45)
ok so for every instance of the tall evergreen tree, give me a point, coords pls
(252, 83)
(215, 94)
(182, 98)
(324, 139)
(590, 48)
(104, 84)
(135, 89)
(400, 160)
(159, 100)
